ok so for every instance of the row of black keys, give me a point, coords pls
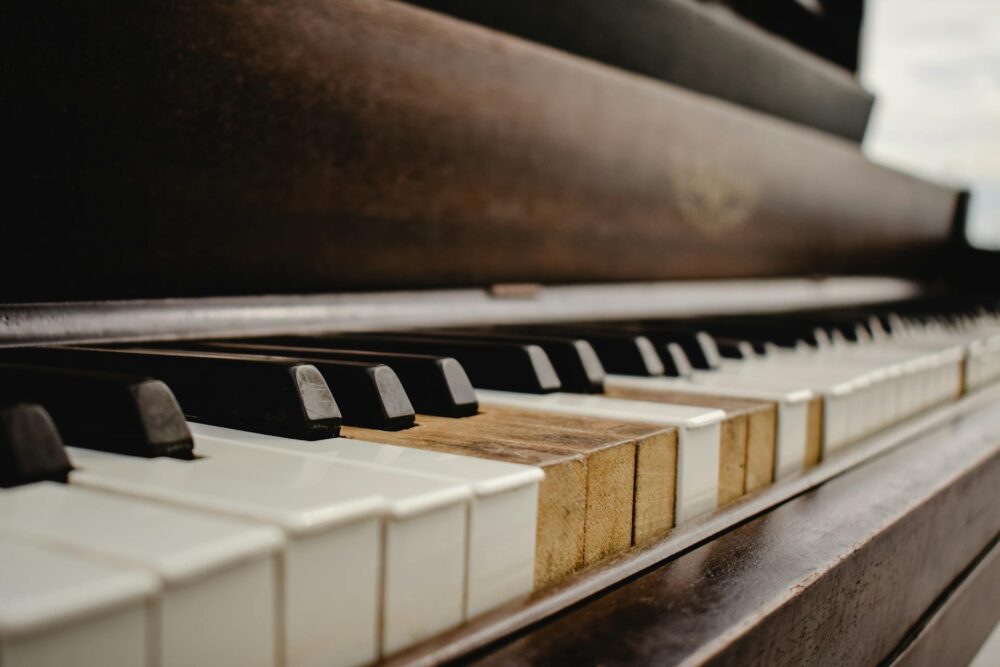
(304, 387)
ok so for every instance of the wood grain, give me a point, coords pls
(814, 433)
(219, 147)
(853, 558)
(762, 439)
(655, 468)
(562, 495)
(609, 510)
(732, 459)
(954, 630)
(588, 501)
(749, 436)
(655, 487)
(666, 40)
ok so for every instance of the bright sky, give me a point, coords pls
(934, 66)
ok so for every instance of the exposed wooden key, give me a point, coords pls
(748, 436)
(698, 436)
(794, 425)
(607, 483)
(503, 510)
(655, 459)
(277, 397)
(127, 414)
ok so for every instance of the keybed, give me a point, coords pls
(403, 484)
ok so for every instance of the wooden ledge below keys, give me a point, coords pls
(748, 437)
(607, 485)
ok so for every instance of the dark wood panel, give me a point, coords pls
(835, 576)
(829, 28)
(666, 39)
(205, 147)
(957, 627)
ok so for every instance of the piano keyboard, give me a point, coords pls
(336, 499)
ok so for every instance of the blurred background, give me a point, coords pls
(934, 66)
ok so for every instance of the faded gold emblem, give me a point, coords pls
(709, 195)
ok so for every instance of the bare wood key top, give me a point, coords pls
(603, 478)
(749, 432)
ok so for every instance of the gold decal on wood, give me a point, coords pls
(709, 195)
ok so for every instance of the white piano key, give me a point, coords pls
(698, 439)
(58, 607)
(219, 599)
(503, 513)
(791, 436)
(864, 387)
(339, 557)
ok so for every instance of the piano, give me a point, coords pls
(347, 332)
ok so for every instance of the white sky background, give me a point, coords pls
(934, 66)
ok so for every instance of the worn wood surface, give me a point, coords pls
(814, 432)
(749, 436)
(655, 467)
(589, 503)
(211, 147)
(838, 575)
(732, 459)
(517, 617)
(562, 494)
(762, 439)
(955, 629)
(666, 40)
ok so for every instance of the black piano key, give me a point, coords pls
(760, 330)
(698, 345)
(734, 348)
(846, 327)
(30, 447)
(368, 394)
(435, 385)
(121, 413)
(576, 363)
(276, 397)
(620, 353)
(504, 366)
